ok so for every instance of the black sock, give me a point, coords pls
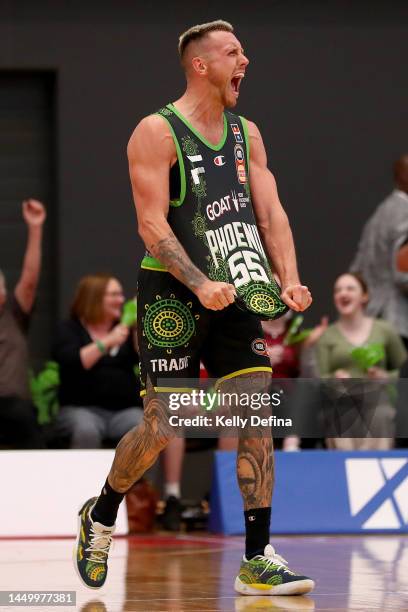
(257, 524)
(107, 506)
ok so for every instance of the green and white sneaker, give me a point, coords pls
(92, 548)
(268, 574)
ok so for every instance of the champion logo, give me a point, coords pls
(251, 518)
(219, 160)
(378, 492)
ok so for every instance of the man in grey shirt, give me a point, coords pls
(18, 425)
(382, 238)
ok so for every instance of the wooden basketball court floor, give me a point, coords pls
(196, 573)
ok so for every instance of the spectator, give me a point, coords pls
(355, 329)
(99, 390)
(285, 362)
(18, 422)
(376, 259)
(284, 359)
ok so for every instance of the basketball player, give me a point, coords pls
(209, 214)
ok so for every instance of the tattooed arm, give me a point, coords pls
(151, 154)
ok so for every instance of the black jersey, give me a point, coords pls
(213, 217)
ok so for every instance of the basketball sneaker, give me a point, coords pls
(92, 547)
(268, 574)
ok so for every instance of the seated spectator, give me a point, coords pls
(352, 329)
(99, 390)
(18, 421)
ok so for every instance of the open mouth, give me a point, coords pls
(236, 83)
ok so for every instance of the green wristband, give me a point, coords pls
(101, 346)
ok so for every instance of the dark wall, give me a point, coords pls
(27, 166)
(326, 84)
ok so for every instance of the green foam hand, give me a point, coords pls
(293, 335)
(44, 392)
(129, 314)
(368, 356)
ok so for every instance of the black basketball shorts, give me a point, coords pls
(175, 332)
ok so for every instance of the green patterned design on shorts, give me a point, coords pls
(263, 299)
(168, 323)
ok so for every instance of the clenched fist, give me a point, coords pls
(34, 212)
(216, 295)
(297, 297)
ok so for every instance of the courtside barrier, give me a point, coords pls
(321, 492)
(43, 490)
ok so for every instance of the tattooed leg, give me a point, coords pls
(255, 470)
(139, 448)
(255, 465)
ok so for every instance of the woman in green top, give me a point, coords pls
(353, 329)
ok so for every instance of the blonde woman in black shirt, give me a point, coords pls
(99, 390)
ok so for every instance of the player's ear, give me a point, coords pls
(199, 65)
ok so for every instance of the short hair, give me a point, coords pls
(88, 299)
(198, 32)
